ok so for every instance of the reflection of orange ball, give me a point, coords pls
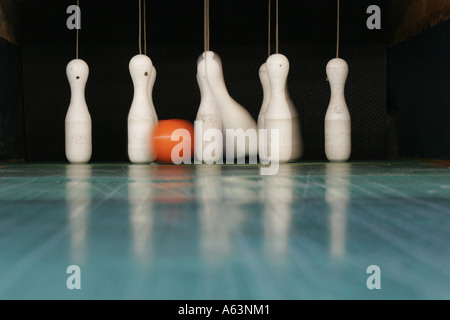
(162, 139)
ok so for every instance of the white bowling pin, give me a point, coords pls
(78, 126)
(151, 84)
(265, 83)
(234, 116)
(209, 116)
(296, 125)
(141, 119)
(281, 114)
(337, 120)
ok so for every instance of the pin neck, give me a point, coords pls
(78, 98)
(337, 90)
(77, 92)
(278, 89)
(141, 84)
(206, 93)
(216, 83)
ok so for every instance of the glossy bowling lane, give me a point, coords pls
(225, 232)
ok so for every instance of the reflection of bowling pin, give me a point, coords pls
(264, 78)
(234, 116)
(337, 197)
(140, 193)
(281, 114)
(78, 196)
(151, 84)
(209, 116)
(240, 189)
(337, 120)
(278, 197)
(173, 187)
(78, 126)
(215, 241)
(141, 119)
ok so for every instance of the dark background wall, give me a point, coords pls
(419, 93)
(419, 77)
(109, 39)
(11, 100)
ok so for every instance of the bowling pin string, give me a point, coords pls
(338, 26)
(205, 8)
(269, 29)
(276, 30)
(78, 33)
(140, 27)
(145, 29)
(206, 25)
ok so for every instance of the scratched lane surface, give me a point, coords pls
(225, 232)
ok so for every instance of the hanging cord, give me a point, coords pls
(338, 26)
(78, 30)
(206, 25)
(145, 29)
(276, 32)
(140, 27)
(268, 31)
(205, 9)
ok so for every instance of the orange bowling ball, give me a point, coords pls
(162, 139)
